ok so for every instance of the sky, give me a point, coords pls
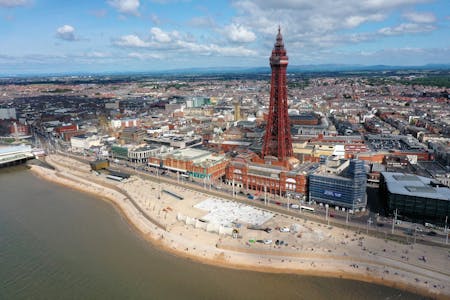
(95, 36)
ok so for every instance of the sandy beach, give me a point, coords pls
(308, 248)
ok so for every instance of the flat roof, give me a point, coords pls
(197, 156)
(13, 149)
(414, 185)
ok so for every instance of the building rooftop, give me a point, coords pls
(199, 157)
(14, 149)
(413, 185)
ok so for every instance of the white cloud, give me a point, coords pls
(406, 28)
(13, 3)
(238, 33)
(304, 21)
(129, 7)
(204, 21)
(97, 54)
(131, 41)
(355, 21)
(420, 17)
(175, 43)
(155, 19)
(144, 56)
(159, 35)
(213, 49)
(168, 1)
(66, 32)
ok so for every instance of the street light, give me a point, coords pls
(265, 195)
(446, 230)
(369, 222)
(394, 220)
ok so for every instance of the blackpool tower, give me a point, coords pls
(277, 139)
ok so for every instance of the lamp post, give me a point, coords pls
(369, 222)
(446, 230)
(233, 186)
(415, 234)
(159, 184)
(265, 195)
(394, 220)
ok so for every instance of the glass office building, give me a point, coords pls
(343, 186)
(416, 198)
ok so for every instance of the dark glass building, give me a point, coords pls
(340, 183)
(416, 198)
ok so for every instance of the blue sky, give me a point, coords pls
(51, 36)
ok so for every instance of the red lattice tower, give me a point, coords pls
(277, 139)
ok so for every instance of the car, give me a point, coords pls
(285, 229)
(279, 243)
(267, 242)
(432, 233)
(260, 241)
(331, 215)
(295, 206)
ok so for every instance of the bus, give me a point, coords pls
(116, 178)
(307, 208)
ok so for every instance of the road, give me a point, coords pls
(366, 222)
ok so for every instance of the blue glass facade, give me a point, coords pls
(345, 190)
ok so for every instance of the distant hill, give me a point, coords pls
(307, 68)
(251, 70)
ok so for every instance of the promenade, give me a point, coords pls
(309, 247)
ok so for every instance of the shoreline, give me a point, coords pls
(160, 238)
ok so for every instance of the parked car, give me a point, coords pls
(279, 243)
(285, 229)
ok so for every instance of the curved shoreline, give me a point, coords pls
(160, 238)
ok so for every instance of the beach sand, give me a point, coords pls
(314, 250)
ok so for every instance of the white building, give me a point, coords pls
(124, 123)
(141, 154)
(83, 142)
(7, 113)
